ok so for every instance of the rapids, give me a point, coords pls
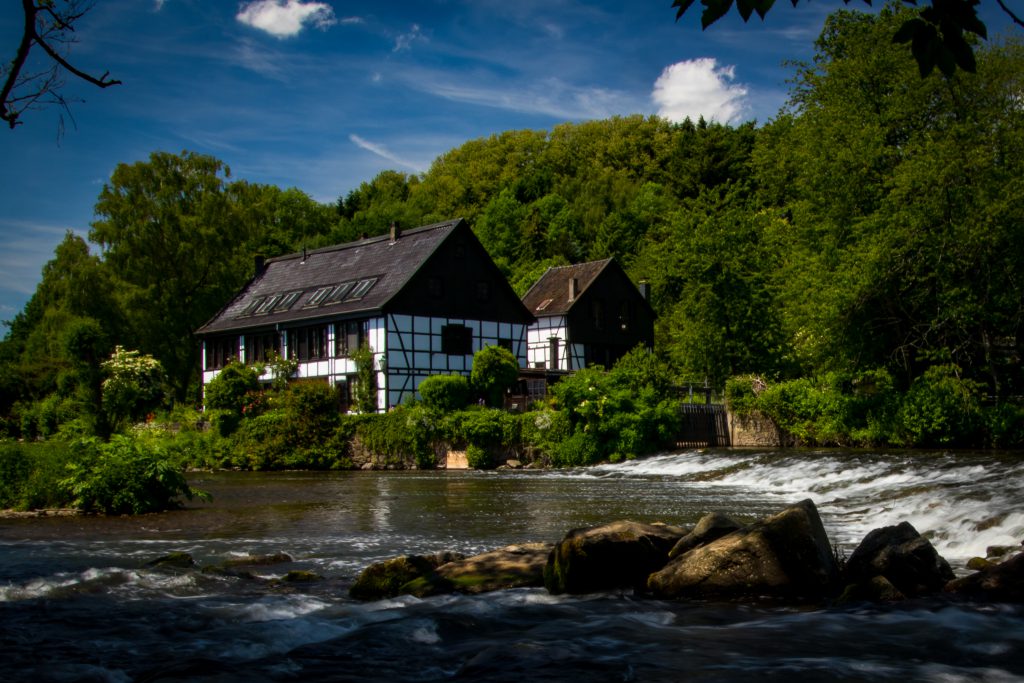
(78, 603)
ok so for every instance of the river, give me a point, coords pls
(77, 602)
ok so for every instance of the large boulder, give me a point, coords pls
(617, 555)
(903, 557)
(787, 555)
(385, 579)
(710, 527)
(1002, 582)
(514, 566)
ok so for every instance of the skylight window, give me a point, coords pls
(268, 305)
(361, 288)
(287, 300)
(339, 293)
(544, 304)
(318, 296)
(251, 307)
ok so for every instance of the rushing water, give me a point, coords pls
(77, 602)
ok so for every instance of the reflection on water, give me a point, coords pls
(77, 601)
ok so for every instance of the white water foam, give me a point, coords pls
(962, 505)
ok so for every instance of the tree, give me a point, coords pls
(494, 370)
(902, 210)
(936, 34)
(49, 25)
(172, 236)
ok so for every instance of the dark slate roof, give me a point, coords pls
(389, 264)
(550, 294)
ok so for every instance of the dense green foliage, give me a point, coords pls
(869, 236)
(625, 412)
(494, 370)
(128, 475)
(445, 393)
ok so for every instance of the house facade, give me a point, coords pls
(424, 301)
(586, 314)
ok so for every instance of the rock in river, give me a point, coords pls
(617, 555)
(1001, 582)
(787, 555)
(900, 555)
(514, 566)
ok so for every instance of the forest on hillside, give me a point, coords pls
(872, 233)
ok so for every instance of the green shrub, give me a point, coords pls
(740, 395)
(401, 436)
(494, 370)
(134, 387)
(941, 409)
(124, 477)
(44, 419)
(30, 475)
(297, 432)
(582, 448)
(488, 427)
(1004, 424)
(542, 429)
(445, 393)
(229, 390)
(478, 457)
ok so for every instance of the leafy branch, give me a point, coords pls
(937, 35)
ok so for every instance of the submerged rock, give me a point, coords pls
(1002, 582)
(617, 555)
(175, 560)
(903, 557)
(710, 527)
(514, 566)
(240, 566)
(787, 555)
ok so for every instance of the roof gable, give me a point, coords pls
(550, 295)
(356, 277)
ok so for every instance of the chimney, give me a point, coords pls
(261, 265)
(645, 290)
(396, 231)
(574, 288)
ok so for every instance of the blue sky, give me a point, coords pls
(322, 95)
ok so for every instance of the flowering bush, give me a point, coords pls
(134, 386)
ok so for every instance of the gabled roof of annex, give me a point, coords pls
(550, 295)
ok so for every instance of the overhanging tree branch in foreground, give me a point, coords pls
(937, 35)
(50, 25)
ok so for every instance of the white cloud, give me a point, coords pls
(158, 5)
(385, 153)
(405, 41)
(699, 87)
(286, 18)
(547, 96)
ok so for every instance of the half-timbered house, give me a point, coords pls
(587, 314)
(424, 300)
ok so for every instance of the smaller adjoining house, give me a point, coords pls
(587, 314)
(424, 300)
